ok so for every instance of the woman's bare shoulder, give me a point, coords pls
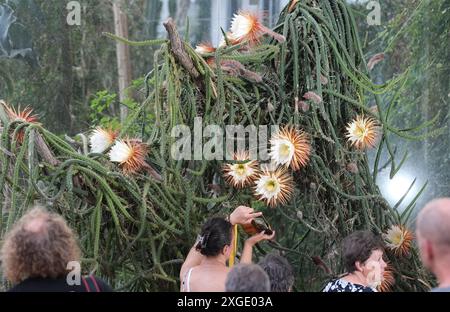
(209, 279)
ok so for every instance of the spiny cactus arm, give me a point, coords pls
(15, 181)
(173, 228)
(98, 223)
(135, 43)
(111, 197)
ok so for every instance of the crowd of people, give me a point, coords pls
(363, 256)
(37, 251)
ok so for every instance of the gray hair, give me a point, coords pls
(247, 278)
(280, 272)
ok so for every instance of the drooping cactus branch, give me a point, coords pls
(134, 231)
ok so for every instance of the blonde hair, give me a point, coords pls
(40, 244)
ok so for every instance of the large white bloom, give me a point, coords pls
(242, 25)
(363, 132)
(282, 151)
(240, 172)
(274, 187)
(268, 187)
(290, 148)
(130, 154)
(246, 26)
(101, 139)
(398, 239)
(120, 152)
(243, 173)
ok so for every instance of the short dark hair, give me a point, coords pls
(215, 234)
(358, 246)
(247, 278)
(280, 272)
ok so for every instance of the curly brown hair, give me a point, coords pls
(40, 244)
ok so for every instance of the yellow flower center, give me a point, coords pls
(285, 149)
(271, 185)
(240, 169)
(360, 131)
(397, 238)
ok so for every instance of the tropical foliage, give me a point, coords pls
(138, 215)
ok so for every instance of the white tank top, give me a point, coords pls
(186, 281)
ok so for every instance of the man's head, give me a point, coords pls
(39, 245)
(247, 278)
(280, 272)
(433, 234)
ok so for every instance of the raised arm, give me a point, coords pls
(193, 259)
(241, 215)
(247, 252)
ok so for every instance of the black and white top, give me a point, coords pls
(341, 285)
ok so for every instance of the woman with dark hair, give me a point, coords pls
(205, 268)
(362, 253)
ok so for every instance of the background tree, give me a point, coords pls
(123, 54)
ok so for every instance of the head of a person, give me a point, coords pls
(215, 238)
(433, 234)
(40, 245)
(280, 272)
(362, 252)
(247, 278)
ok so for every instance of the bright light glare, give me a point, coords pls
(394, 189)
